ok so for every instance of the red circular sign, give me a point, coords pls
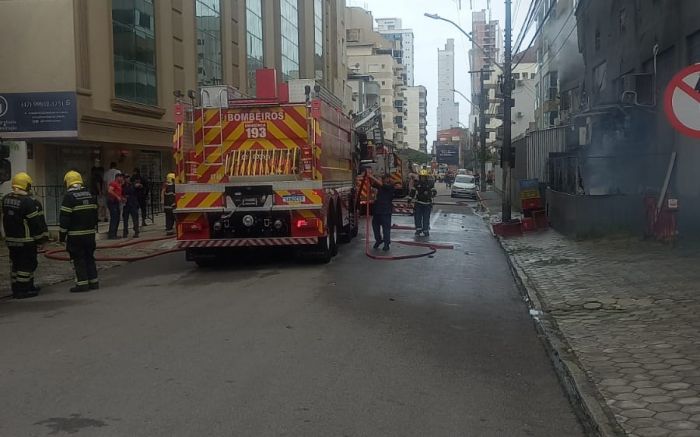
(682, 101)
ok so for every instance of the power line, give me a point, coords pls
(526, 24)
(537, 32)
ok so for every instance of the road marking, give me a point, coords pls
(434, 218)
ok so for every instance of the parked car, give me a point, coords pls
(464, 186)
(462, 171)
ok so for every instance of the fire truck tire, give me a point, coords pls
(334, 231)
(326, 247)
(344, 234)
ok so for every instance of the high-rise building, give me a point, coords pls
(416, 113)
(393, 31)
(485, 55)
(369, 53)
(448, 109)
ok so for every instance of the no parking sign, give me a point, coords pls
(682, 101)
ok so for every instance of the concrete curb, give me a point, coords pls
(589, 405)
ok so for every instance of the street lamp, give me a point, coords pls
(468, 35)
(465, 98)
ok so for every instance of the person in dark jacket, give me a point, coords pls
(78, 226)
(131, 207)
(169, 203)
(423, 192)
(25, 229)
(382, 210)
(142, 187)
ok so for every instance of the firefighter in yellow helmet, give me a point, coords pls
(423, 193)
(169, 203)
(25, 229)
(78, 226)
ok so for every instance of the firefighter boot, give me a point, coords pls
(80, 289)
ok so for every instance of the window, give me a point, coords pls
(254, 41)
(694, 48)
(318, 38)
(516, 76)
(133, 31)
(209, 58)
(290, 39)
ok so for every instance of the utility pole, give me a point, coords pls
(507, 105)
(483, 107)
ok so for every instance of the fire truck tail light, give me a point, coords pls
(193, 227)
(307, 223)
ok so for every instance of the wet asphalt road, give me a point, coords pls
(439, 346)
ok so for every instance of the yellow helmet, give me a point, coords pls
(22, 181)
(424, 172)
(170, 177)
(72, 178)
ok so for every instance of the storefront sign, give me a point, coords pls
(38, 115)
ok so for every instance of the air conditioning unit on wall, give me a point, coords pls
(638, 89)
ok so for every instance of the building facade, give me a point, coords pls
(369, 53)
(559, 63)
(447, 109)
(524, 74)
(416, 124)
(625, 144)
(484, 54)
(117, 64)
(392, 29)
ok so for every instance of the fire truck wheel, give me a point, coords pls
(326, 247)
(334, 232)
(344, 234)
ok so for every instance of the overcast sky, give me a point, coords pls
(431, 35)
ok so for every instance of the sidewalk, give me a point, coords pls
(52, 272)
(621, 317)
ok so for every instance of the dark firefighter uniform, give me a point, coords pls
(78, 226)
(169, 202)
(25, 228)
(423, 192)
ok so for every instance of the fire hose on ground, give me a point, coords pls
(56, 254)
(432, 247)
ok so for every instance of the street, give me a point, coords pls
(438, 346)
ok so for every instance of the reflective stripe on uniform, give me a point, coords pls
(84, 232)
(84, 207)
(81, 283)
(18, 240)
(35, 214)
(43, 235)
(66, 209)
(94, 281)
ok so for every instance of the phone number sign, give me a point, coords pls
(38, 115)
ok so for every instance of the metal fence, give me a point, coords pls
(51, 197)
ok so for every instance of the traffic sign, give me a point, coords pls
(682, 101)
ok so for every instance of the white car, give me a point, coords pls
(462, 171)
(464, 186)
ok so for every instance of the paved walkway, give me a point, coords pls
(628, 310)
(52, 272)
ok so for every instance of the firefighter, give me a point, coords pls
(169, 203)
(423, 193)
(78, 221)
(25, 229)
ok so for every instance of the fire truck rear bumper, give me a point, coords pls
(249, 242)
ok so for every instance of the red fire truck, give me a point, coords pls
(274, 170)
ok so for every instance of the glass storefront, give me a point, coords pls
(290, 39)
(209, 58)
(133, 31)
(254, 41)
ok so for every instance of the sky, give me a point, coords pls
(429, 35)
